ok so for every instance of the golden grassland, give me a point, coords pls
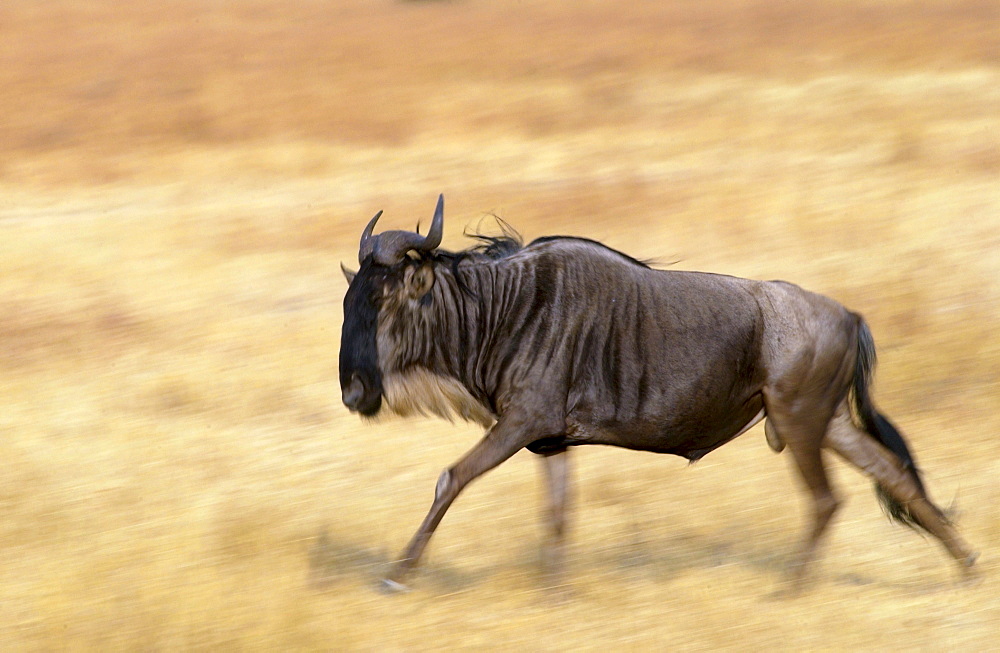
(179, 182)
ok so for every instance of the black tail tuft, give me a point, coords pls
(890, 437)
(879, 427)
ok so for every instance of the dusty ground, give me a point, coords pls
(179, 182)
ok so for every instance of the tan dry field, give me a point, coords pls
(179, 182)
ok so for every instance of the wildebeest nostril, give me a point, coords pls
(353, 393)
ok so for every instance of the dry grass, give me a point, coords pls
(181, 181)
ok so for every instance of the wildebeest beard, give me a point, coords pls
(360, 378)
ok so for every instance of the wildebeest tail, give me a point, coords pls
(879, 427)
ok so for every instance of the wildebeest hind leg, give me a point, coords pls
(809, 461)
(500, 443)
(876, 461)
(802, 432)
(556, 470)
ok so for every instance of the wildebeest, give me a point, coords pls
(567, 342)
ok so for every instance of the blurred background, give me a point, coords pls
(180, 180)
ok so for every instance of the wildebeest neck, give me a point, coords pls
(441, 335)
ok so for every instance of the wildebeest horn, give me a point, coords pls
(390, 247)
(434, 234)
(367, 242)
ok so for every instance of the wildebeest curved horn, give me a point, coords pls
(367, 242)
(434, 234)
(390, 247)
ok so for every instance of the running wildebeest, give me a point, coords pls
(566, 342)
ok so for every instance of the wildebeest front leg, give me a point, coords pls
(501, 442)
(556, 467)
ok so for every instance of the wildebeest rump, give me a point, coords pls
(567, 342)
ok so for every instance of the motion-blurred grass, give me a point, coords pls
(179, 183)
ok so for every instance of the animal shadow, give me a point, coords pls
(333, 560)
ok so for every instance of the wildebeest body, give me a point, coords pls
(567, 342)
(624, 360)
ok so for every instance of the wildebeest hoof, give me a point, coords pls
(389, 586)
(970, 573)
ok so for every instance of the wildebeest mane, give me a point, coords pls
(506, 244)
(487, 247)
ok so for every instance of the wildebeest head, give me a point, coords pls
(387, 277)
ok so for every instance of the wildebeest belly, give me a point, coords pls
(688, 435)
(711, 400)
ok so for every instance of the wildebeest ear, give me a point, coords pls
(349, 274)
(418, 280)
